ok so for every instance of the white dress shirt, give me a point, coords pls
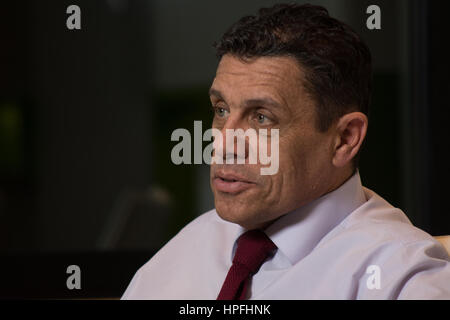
(347, 244)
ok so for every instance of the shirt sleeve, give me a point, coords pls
(413, 270)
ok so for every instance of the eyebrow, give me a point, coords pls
(266, 101)
(262, 102)
(217, 93)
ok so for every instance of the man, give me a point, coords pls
(311, 230)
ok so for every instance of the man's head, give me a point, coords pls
(293, 68)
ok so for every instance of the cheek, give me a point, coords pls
(292, 158)
(304, 162)
(302, 150)
(296, 159)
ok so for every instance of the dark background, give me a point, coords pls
(86, 118)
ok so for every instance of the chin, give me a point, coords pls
(231, 212)
(243, 216)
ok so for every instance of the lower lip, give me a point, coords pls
(231, 186)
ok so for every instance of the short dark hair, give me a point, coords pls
(336, 62)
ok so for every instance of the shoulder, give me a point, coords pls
(208, 218)
(198, 237)
(377, 221)
(193, 232)
(378, 234)
(378, 231)
(171, 272)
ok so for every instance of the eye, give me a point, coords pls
(261, 118)
(220, 112)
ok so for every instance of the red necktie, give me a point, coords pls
(253, 247)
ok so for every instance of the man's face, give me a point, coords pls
(268, 93)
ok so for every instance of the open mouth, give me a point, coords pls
(228, 180)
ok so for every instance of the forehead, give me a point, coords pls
(273, 75)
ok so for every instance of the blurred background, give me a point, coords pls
(86, 118)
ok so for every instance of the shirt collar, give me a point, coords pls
(298, 232)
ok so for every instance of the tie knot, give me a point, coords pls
(253, 247)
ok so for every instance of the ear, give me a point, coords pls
(351, 130)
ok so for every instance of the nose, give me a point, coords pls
(234, 147)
